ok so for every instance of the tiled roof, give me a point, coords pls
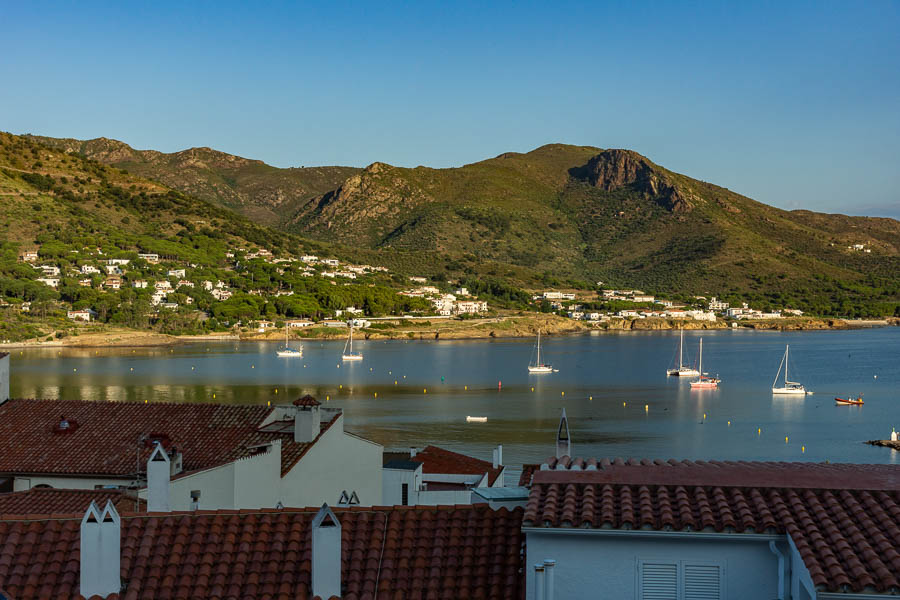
(401, 552)
(45, 501)
(438, 460)
(844, 519)
(306, 400)
(527, 473)
(106, 437)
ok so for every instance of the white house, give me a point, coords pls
(4, 376)
(50, 270)
(49, 281)
(435, 476)
(89, 269)
(149, 257)
(219, 456)
(464, 307)
(139, 284)
(85, 314)
(30, 256)
(118, 261)
(717, 305)
(176, 273)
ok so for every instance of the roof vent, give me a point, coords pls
(65, 425)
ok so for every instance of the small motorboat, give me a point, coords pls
(471, 419)
(849, 401)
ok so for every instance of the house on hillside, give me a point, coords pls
(85, 314)
(219, 456)
(435, 476)
(49, 281)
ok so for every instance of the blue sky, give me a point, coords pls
(796, 105)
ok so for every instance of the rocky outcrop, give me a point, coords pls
(613, 169)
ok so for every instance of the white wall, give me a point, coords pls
(588, 561)
(435, 497)
(392, 481)
(4, 378)
(337, 462)
(77, 483)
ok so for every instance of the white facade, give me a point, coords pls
(635, 563)
(4, 378)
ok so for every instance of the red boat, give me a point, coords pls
(849, 401)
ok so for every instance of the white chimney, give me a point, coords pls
(539, 582)
(412, 451)
(563, 441)
(307, 423)
(549, 567)
(100, 551)
(158, 476)
(494, 459)
(326, 554)
(4, 377)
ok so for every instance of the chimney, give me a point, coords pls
(307, 419)
(158, 475)
(563, 441)
(539, 582)
(326, 554)
(498, 456)
(412, 451)
(549, 567)
(100, 551)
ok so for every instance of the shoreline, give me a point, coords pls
(512, 326)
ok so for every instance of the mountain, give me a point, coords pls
(250, 187)
(565, 215)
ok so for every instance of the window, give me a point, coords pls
(404, 494)
(681, 580)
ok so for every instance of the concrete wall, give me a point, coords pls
(392, 481)
(337, 462)
(4, 378)
(78, 483)
(589, 561)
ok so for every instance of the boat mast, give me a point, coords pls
(539, 348)
(681, 350)
(786, 348)
(701, 358)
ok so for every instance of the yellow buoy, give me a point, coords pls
(327, 398)
(370, 368)
(623, 404)
(425, 390)
(74, 370)
(785, 439)
(252, 366)
(759, 431)
(276, 390)
(646, 408)
(146, 401)
(340, 387)
(395, 382)
(376, 394)
(704, 416)
(562, 393)
(192, 368)
(466, 388)
(729, 423)
(132, 368)
(214, 395)
(532, 388)
(803, 449)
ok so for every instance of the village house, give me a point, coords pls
(309, 259)
(464, 307)
(185, 283)
(218, 456)
(419, 279)
(121, 262)
(112, 269)
(169, 305)
(149, 257)
(434, 476)
(220, 294)
(158, 297)
(717, 305)
(30, 256)
(49, 281)
(331, 262)
(113, 283)
(85, 314)
(89, 269)
(139, 284)
(299, 323)
(4, 376)
(85, 282)
(263, 325)
(176, 273)
(162, 285)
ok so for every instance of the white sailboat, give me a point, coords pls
(704, 381)
(789, 387)
(349, 354)
(537, 366)
(286, 351)
(682, 370)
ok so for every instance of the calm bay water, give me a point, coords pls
(613, 386)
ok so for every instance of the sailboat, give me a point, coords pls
(704, 381)
(789, 387)
(348, 348)
(537, 366)
(682, 370)
(286, 351)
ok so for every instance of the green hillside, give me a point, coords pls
(251, 187)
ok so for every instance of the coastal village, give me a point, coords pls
(156, 500)
(206, 294)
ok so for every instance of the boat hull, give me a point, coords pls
(351, 357)
(541, 369)
(789, 391)
(289, 354)
(842, 402)
(703, 385)
(683, 372)
(470, 419)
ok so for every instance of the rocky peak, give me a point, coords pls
(613, 169)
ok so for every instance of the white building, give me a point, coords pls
(4, 377)
(49, 281)
(89, 269)
(418, 279)
(87, 315)
(139, 283)
(50, 270)
(30, 256)
(121, 262)
(309, 259)
(717, 305)
(464, 307)
(219, 456)
(176, 273)
(149, 257)
(434, 476)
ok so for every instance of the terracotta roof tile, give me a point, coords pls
(844, 519)
(106, 436)
(402, 552)
(527, 473)
(439, 460)
(45, 501)
(306, 400)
